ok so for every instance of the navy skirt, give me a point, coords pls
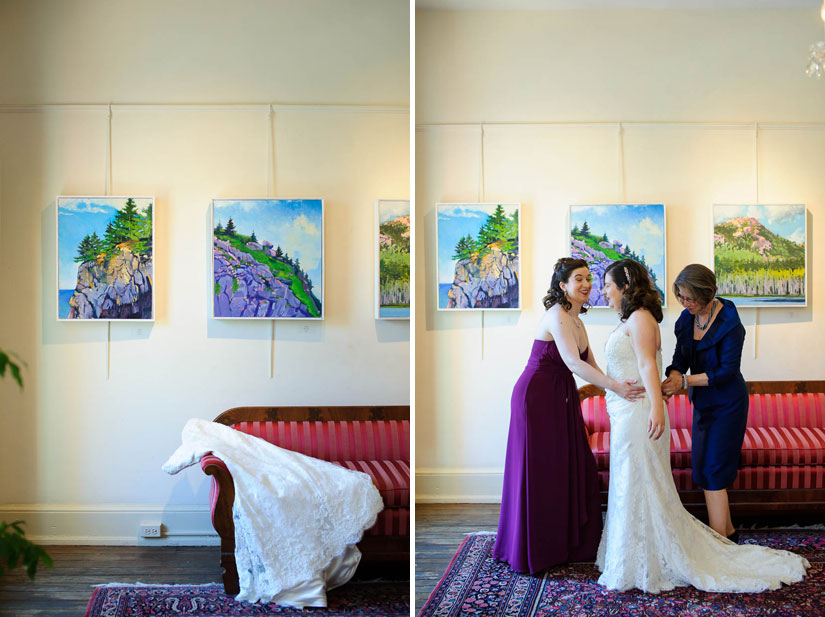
(718, 434)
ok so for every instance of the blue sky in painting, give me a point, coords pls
(77, 217)
(389, 209)
(456, 221)
(639, 226)
(296, 225)
(787, 221)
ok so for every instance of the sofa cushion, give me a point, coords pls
(391, 478)
(762, 446)
(779, 445)
(679, 448)
(759, 478)
(337, 440)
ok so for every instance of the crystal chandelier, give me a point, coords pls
(816, 63)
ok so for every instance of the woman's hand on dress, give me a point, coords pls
(656, 422)
(672, 384)
(629, 390)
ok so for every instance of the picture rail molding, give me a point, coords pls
(767, 125)
(314, 107)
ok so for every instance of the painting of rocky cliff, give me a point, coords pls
(105, 258)
(268, 258)
(478, 256)
(759, 254)
(392, 259)
(604, 233)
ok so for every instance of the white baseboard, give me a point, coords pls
(481, 485)
(115, 524)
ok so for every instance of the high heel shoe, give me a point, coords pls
(734, 537)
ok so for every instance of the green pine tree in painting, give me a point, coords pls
(230, 227)
(89, 248)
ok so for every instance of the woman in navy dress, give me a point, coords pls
(709, 340)
(550, 506)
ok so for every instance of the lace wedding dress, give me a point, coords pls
(650, 542)
(297, 518)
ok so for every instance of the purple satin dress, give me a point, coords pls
(550, 507)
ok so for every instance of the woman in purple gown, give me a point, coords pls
(550, 507)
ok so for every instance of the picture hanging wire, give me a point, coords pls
(481, 198)
(107, 191)
(622, 181)
(756, 182)
(270, 189)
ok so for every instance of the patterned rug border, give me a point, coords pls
(397, 607)
(465, 587)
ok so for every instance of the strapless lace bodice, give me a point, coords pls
(621, 358)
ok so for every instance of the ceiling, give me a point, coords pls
(614, 4)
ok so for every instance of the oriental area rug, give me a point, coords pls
(476, 584)
(355, 599)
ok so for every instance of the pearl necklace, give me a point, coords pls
(696, 317)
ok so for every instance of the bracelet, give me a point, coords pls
(684, 382)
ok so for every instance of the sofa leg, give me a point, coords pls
(231, 585)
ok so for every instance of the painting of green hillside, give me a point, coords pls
(759, 254)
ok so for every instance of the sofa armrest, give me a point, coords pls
(222, 496)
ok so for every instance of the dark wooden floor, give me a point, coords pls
(439, 529)
(64, 591)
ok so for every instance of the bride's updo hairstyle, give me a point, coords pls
(639, 291)
(561, 274)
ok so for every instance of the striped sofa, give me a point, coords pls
(783, 455)
(373, 440)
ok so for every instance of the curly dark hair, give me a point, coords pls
(561, 274)
(639, 291)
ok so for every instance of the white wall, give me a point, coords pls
(81, 452)
(688, 85)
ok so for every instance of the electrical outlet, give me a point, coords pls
(151, 530)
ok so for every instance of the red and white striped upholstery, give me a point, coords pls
(789, 410)
(337, 441)
(680, 448)
(758, 478)
(784, 444)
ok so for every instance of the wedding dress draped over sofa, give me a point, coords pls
(372, 440)
(783, 455)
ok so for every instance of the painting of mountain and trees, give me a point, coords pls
(478, 256)
(268, 258)
(105, 268)
(759, 254)
(392, 299)
(602, 234)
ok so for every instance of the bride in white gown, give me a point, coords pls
(650, 542)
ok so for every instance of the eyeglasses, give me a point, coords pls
(685, 300)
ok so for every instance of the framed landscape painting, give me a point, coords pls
(478, 248)
(105, 267)
(268, 258)
(392, 259)
(604, 233)
(759, 254)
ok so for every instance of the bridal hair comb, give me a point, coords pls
(626, 274)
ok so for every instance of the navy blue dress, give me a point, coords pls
(720, 409)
